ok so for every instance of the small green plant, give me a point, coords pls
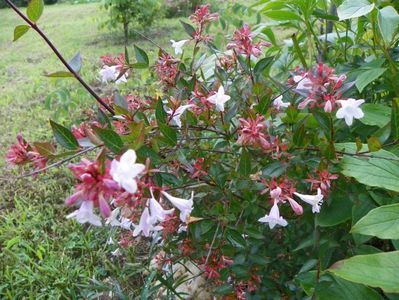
(126, 12)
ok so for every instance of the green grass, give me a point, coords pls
(72, 28)
(43, 255)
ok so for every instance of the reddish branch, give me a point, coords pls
(61, 58)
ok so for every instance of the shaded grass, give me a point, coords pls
(45, 257)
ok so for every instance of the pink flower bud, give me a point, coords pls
(328, 106)
(276, 193)
(73, 198)
(296, 207)
(105, 210)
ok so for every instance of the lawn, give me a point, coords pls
(43, 255)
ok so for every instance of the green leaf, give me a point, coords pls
(45, 149)
(160, 113)
(282, 15)
(339, 289)
(120, 101)
(322, 15)
(336, 211)
(263, 105)
(368, 76)
(64, 136)
(35, 10)
(375, 114)
(376, 270)
(244, 64)
(374, 144)
(235, 238)
(382, 222)
(188, 28)
(363, 203)
(375, 171)
(395, 119)
(324, 121)
(141, 57)
(307, 281)
(224, 289)
(169, 134)
(76, 62)
(354, 8)
(299, 136)
(270, 34)
(103, 118)
(245, 163)
(20, 30)
(110, 138)
(147, 152)
(262, 64)
(59, 74)
(388, 21)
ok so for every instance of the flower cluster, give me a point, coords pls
(167, 69)
(113, 69)
(323, 180)
(103, 183)
(96, 186)
(324, 89)
(22, 152)
(282, 191)
(253, 133)
(110, 60)
(202, 17)
(242, 43)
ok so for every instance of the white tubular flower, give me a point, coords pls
(219, 99)
(125, 171)
(107, 73)
(274, 217)
(114, 221)
(315, 200)
(85, 214)
(122, 79)
(177, 113)
(178, 46)
(111, 73)
(278, 103)
(184, 205)
(304, 83)
(157, 211)
(146, 224)
(350, 110)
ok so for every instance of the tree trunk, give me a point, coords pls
(333, 12)
(126, 32)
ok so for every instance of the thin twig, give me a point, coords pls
(201, 138)
(192, 185)
(213, 241)
(60, 57)
(365, 154)
(150, 40)
(56, 164)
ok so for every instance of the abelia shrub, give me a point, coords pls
(244, 173)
